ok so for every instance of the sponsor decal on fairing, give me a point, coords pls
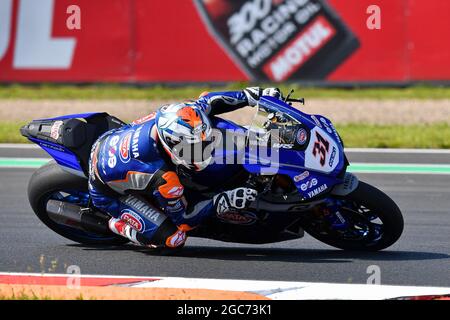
(54, 130)
(301, 136)
(317, 191)
(301, 176)
(309, 184)
(277, 145)
(332, 157)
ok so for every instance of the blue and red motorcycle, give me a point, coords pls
(301, 177)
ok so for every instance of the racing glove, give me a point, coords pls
(253, 94)
(238, 198)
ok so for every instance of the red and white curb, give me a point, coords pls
(287, 290)
(276, 290)
(54, 279)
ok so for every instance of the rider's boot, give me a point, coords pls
(174, 241)
(122, 228)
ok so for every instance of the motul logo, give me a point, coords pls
(278, 40)
(34, 48)
(299, 50)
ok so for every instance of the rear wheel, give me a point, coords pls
(372, 221)
(51, 182)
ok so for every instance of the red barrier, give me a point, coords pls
(223, 40)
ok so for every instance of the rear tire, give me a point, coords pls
(386, 210)
(49, 179)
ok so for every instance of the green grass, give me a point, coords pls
(354, 135)
(111, 91)
(23, 296)
(9, 132)
(395, 136)
(33, 296)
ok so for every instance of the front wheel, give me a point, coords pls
(368, 220)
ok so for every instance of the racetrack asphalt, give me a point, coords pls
(420, 257)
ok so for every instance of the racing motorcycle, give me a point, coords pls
(305, 187)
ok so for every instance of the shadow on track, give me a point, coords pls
(278, 254)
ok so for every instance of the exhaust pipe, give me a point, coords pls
(74, 216)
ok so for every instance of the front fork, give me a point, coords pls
(330, 209)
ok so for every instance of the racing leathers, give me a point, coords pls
(132, 179)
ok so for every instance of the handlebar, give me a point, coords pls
(302, 100)
(289, 99)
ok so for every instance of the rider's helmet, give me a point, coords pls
(185, 133)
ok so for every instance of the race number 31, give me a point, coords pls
(321, 147)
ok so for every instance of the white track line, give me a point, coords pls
(287, 290)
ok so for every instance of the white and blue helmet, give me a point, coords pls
(185, 132)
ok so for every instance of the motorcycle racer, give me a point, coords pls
(133, 170)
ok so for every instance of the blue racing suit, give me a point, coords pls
(133, 180)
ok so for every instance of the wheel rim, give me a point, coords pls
(362, 225)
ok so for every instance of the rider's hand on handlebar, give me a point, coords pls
(253, 94)
(238, 198)
(273, 92)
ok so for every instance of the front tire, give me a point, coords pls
(50, 179)
(376, 203)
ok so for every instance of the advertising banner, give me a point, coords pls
(179, 41)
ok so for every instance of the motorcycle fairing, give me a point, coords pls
(63, 156)
(85, 116)
(314, 170)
